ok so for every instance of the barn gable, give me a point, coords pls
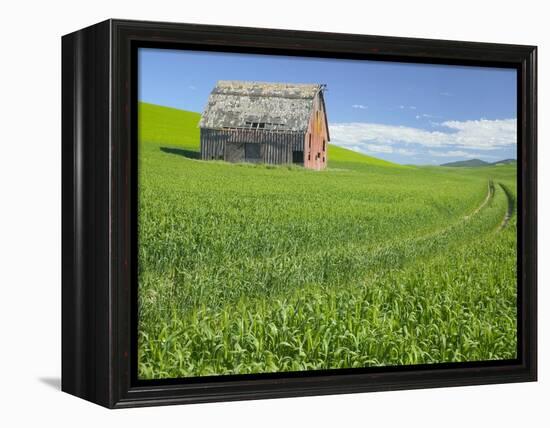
(260, 105)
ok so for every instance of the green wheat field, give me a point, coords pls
(257, 269)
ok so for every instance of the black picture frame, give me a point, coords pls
(99, 215)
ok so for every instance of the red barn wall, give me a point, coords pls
(316, 139)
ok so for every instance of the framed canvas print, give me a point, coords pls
(252, 213)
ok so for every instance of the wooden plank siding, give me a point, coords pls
(228, 144)
(317, 137)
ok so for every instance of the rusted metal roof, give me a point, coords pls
(260, 105)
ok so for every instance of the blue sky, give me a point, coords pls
(405, 113)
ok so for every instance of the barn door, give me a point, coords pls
(253, 152)
(234, 152)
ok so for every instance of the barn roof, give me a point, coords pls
(273, 106)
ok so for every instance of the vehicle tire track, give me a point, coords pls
(401, 252)
(460, 220)
(510, 209)
(490, 194)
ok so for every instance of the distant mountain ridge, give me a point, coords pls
(478, 162)
(505, 162)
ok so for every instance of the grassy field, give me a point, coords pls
(252, 268)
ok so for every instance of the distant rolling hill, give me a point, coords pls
(478, 162)
(467, 163)
(505, 162)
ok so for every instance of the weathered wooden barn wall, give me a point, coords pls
(228, 144)
(317, 137)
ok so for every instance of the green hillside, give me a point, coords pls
(168, 125)
(247, 268)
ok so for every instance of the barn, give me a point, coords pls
(262, 122)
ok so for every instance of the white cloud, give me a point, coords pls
(375, 148)
(472, 134)
(484, 133)
(354, 148)
(406, 152)
(359, 106)
(379, 148)
(460, 154)
(424, 115)
(192, 87)
(454, 154)
(446, 94)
